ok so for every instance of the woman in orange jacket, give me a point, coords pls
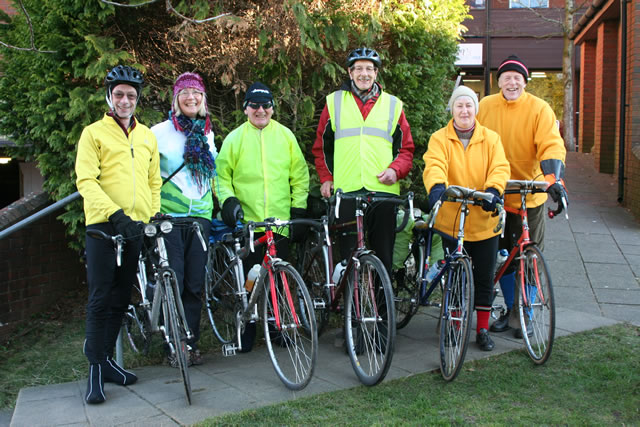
(468, 154)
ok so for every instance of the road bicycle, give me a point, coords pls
(166, 313)
(452, 288)
(286, 309)
(536, 303)
(361, 292)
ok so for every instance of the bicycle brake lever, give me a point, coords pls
(119, 250)
(338, 204)
(251, 238)
(199, 233)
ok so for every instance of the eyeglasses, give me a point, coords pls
(257, 105)
(186, 93)
(360, 69)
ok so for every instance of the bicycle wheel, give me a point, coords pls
(455, 322)
(293, 343)
(138, 329)
(311, 265)
(220, 293)
(370, 320)
(405, 287)
(177, 336)
(537, 308)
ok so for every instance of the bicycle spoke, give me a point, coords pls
(290, 326)
(537, 306)
(370, 320)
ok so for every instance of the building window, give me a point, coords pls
(518, 4)
(476, 4)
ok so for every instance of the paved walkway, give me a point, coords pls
(595, 263)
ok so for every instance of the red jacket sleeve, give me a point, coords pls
(403, 148)
(323, 147)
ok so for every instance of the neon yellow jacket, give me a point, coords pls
(480, 166)
(264, 169)
(115, 171)
(363, 147)
(529, 133)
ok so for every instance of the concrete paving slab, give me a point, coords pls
(623, 312)
(618, 296)
(602, 249)
(634, 264)
(609, 276)
(577, 321)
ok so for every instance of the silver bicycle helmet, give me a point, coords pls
(124, 74)
(364, 53)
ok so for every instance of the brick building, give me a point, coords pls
(608, 36)
(529, 28)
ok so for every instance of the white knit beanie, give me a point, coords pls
(463, 91)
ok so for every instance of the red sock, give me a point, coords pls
(483, 320)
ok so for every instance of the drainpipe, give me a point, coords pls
(623, 99)
(487, 48)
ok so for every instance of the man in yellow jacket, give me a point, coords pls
(535, 150)
(118, 176)
(261, 173)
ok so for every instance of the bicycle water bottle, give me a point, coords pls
(501, 258)
(435, 269)
(252, 275)
(338, 271)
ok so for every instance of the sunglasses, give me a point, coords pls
(257, 105)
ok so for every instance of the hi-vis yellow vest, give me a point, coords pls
(363, 148)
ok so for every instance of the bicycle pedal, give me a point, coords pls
(318, 303)
(229, 350)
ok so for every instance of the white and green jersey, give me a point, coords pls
(181, 196)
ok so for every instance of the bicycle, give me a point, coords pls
(286, 308)
(368, 307)
(536, 303)
(166, 295)
(454, 279)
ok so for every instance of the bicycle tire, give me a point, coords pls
(293, 349)
(455, 321)
(138, 329)
(221, 293)
(370, 325)
(405, 288)
(537, 312)
(311, 267)
(177, 336)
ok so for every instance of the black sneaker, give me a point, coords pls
(195, 358)
(502, 324)
(95, 385)
(113, 373)
(484, 341)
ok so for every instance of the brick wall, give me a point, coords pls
(588, 97)
(606, 96)
(632, 153)
(36, 264)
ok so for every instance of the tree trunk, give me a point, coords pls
(567, 77)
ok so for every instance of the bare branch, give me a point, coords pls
(128, 5)
(33, 47)
(170, 9)
(196, 21)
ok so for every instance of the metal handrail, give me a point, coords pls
(36, 216)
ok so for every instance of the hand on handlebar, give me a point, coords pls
(491, 206)
(232, 212)
(124, 225)
(326, 189)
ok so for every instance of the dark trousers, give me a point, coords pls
(188, 260)
(483, 259)
(109, 291)
(379, 227)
